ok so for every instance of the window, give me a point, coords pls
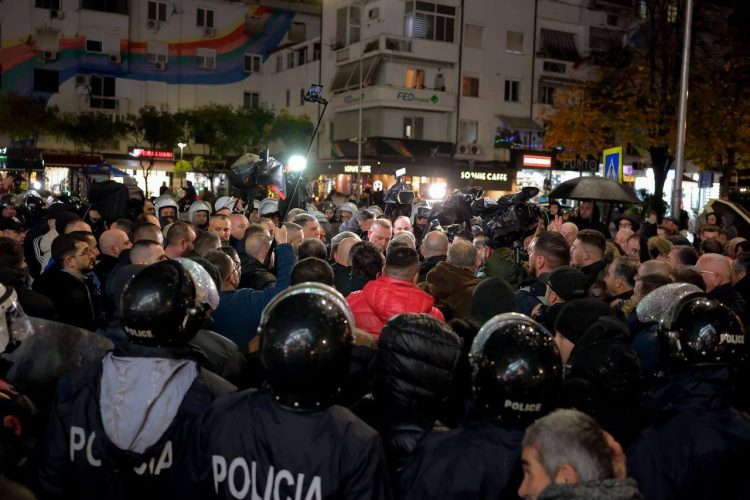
(46, 80)
(93, 46)
(289, 60)
(553, 67)
(473, 36)
(102, 92)
(204, 18)
(48, 4)
(112, 6)
(205, 58)
(413, 127)
(672, 13)
(414, 78)
(157, 11)
(430, 21)
(251, 100)
(546, 94)
(157, 52)
(514, 42)
(512, 93)
(316, 51)
(348, 23)
(468, 132)
(302, 94)
(279, 64)
(253, 63)
(288, 98)
(470, 86)
(301, 56)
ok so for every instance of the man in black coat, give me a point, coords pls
(121, 427)
(255, 274)
(588, 218)
(288, 440)
(716, 271)
(482, 458)
(698, 444)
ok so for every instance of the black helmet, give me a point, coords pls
(160, 306)
(305, 344)
(516, 369)
(694, 329)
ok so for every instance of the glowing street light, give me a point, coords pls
(296, 163)
(181, 145)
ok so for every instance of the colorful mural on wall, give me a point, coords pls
(18, 61)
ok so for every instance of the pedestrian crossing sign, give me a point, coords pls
(613, 164)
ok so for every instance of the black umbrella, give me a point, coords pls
(593, 188)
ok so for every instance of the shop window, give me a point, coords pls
(512, 91)
(414, 78)
(470, 86)
(46, 80)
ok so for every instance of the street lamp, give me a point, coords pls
(181, 145)
(297, 163)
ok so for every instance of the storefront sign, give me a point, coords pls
(411, 97)
(147, 153)
(3, 156)
(579, 165)
(357, 169)
(536, 161)
(490, 180)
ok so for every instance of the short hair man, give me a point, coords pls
(221, 225)
(312, 247)
(255, 273)
(682, 256)
(620, 279)
(394, 292)
(146, 252)
(567, 450)
(452, 283)
(366, 265)
(310, 226)
(312, 269)
(434, 249)
(239, 224)
(359, 224)
(148, 231)
(112, 243)
(717, 274)
(548, 251)
(587, 253)
(380, 233)
(402, 224)
(179, 240)
(403, 239)
(206, 242)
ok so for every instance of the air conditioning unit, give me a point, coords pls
(115, 58)
(160, 65)
(468, 149)
(152, 24)
(207, 32)
(56, 14)
(49, 55)
(374, 13)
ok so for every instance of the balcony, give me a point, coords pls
(404, 47)
(612, 4)
(394, 97)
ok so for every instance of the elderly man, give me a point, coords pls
(682, 256)
(221, 225)
(434, 249)
(310, 226)
(716, 272)
(380, 233)
(452, 282)
(359, 224)
(569, 232)
(402, 224)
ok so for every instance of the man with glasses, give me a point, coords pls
(716, 272)
(66, 282)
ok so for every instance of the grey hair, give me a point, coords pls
(571, 437)
(462, 254)
(404, 239)
(364, 215)
(303, 219)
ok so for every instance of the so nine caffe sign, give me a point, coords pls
(494, 180)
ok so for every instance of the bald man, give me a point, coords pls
(342, 263)
(146, 252)
(222, 226)
(434, 249)
(239, 224)
(112, 243)
(716, 272)
(402, 224)
(569, 232)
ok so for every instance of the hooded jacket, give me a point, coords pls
(385, 297)
(452, 288)
(698, 446)
(121, 428)
(414, 370)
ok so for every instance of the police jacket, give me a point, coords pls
(99, 445)
(481, 459)
(252, 447)
(698, 445)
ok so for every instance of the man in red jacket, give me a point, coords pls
(393, 292)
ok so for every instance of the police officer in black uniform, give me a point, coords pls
(288, 439)
(121, 426)
(516, 374)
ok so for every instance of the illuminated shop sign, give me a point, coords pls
(148, 153)
(357, 169)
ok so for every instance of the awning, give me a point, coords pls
(559, 45)
(519, 123)
(347, 76)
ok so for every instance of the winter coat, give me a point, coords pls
(593, 273)
(606, 489)
(255, 275)
(452, 288)
(532, 293)
(733, 300)
(742, 287)
(238, 314)
(501, 265)
(603, 378)
(479, 460)
(428, 265)
(33, 303)
(385, 297)
(352, 226)
(414, 370)
(75, 301)
(251, 447)
(341, 277)
(104, 442)
(699, 444)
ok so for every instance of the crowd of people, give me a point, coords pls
(235, 351)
